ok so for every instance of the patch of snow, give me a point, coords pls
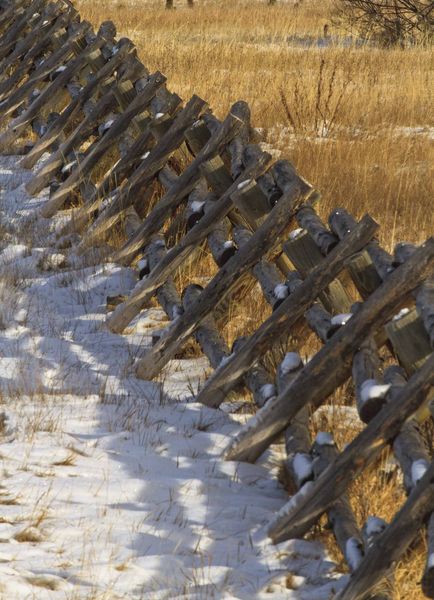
(430, 561)
(267, 391)
(128, 474)
(145, 156)
(295, 233)
(302, 464)
(323, 438)
(107, 124)
(197, 206)
(291, 362)
(281, 291)
(418, 470)
(341, 319)
(402, 313)
(142, 263)
(371, 389)
(353, 552)
(228, 244)
(69, 166)
(243, 184)
(374, 526)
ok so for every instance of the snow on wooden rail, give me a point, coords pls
(128, 157)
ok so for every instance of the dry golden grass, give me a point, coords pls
(346, 117)
(358, 103)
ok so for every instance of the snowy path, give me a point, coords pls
(110, 487)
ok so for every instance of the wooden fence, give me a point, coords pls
(177, 180)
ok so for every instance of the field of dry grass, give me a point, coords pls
(356, 122)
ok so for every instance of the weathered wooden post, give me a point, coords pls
(331, 366)
(395, 539)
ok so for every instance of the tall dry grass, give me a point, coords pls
(358, 144)
(357, 122)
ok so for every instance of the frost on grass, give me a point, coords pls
(114, 487)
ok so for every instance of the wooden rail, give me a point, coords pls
(176, 182)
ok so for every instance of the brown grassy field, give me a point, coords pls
(356, 122)
(359, 127)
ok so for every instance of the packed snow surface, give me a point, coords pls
(113, 487)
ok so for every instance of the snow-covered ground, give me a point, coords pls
(114, 487)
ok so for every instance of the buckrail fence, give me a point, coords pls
(177, 180)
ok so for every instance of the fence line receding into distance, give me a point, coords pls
(129, 157)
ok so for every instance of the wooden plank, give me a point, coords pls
(294, 520)
(167, 295)
(428, 575)
(308, 219)
(80, 133)
(341, 223)
(9, 39)
(13, 12)
(369, 388)
(207, 336)
(409, 339)
(331, 366)
(340, 514)
(304, 255)
(319, 320)
(297, 436)
(121, 170)
(39, 30)
(105, 143)
(266, 273)
(125, 312)
(425, 307)
(264, 238)
(142, 176)
(401, 252)
(285, 316)
(75, 105)
(16, 126)
(94, 113)
(364, 274)
(394, 541)
(408, 446)
(43, 70)
(183, 185)
(48, 42)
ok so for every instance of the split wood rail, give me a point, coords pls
(125, 159)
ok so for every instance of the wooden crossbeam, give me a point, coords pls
(8, 41)
(125, 312)
(285, 316)
(125, 167)
(53, 62)
(50, 93)
(294, 520)
(395, 539)
(57, 200)
(264, 238)
(75, 105)
(38, 30)
(331, 366)
(83, 130)
(156, 159)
